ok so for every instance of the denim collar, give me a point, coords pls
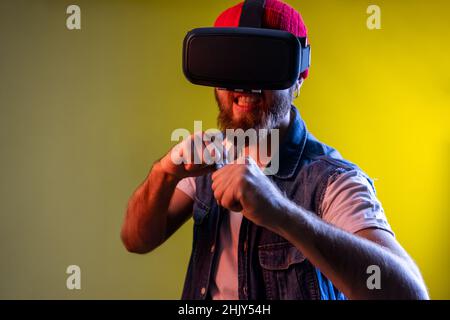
(292, 146)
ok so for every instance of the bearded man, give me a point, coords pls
(312, 230)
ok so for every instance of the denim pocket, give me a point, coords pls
(279, 256)
(285, 271)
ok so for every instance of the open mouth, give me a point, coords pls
(247, 101)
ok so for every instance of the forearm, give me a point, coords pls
(146, 218)
(344, 257)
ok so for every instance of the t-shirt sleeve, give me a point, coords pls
(187, 185)
(350, 203)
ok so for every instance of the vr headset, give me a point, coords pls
(245, 58)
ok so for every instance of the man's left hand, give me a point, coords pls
(243, 187)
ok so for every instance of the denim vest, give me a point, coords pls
(269, 267)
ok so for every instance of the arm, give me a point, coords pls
(155, 211)
(341, 256)
(344, 257)
(157, 208)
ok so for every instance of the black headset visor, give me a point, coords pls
(244, 58)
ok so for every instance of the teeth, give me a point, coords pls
(244, 100)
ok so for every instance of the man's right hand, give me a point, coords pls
(191, 157)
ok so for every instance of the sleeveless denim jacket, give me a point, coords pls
(269, 267)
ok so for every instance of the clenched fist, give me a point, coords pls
(192, 157)
(244, 187)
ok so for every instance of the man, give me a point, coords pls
(310, 231)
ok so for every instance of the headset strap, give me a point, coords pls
(252, 17)
(252, 14)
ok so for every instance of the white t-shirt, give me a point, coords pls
(349, 203)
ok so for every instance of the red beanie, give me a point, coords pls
(277, 15)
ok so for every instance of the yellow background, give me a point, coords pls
(83, 114)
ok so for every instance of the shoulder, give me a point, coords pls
(350, 203)
(320, 157)
(321, 166)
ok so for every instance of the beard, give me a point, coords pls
(273, 109)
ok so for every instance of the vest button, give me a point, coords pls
(212, 248)
(203, 291)
(245, 246)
